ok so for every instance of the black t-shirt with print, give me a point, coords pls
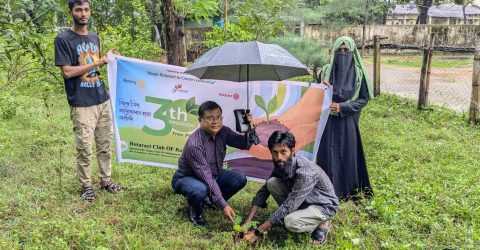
(74, 50)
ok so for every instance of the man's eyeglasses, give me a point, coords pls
(211, 119)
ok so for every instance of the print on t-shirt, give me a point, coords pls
(88, 53)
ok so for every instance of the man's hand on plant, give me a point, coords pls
(250, 236)
(229, 213)
(265, 227)
(254, 235)
(251, 214)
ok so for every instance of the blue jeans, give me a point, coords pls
(196, 190)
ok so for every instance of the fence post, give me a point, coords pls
(425, 74)
(474, 117)
(376, 64)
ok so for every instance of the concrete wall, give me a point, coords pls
(447, 35)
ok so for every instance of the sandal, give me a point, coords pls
(111, 187)
(88, 194)
(319, 235)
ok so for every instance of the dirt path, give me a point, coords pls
(448, 87)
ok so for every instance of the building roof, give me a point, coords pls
(405, 9)
(442, 10)
(452, 10)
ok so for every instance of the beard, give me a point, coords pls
(79, 22)
(283, 164)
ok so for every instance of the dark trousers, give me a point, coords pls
(196, 190)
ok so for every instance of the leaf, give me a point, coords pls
(237, 228)
(238, 220)
(281, 92)
(261, 103)
(193, 111)
(190, 104)
(272, 105)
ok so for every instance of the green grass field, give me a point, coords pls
(424, 168)
(415, 61)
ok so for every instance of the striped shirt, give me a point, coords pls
(307, 184)
(203, 157)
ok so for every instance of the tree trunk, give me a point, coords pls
(474, 116)
(376, 65)
(424, 7)
(364, 28)
(160, 35)
(133, 24)
(173, 34)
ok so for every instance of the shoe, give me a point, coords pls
(208, 203)
(88, 194)
(196, 219)
(111, 187)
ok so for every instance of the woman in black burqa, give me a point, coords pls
(341, 152)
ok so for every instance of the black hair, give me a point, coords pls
(206, 106)
(282, 138)
(72, 3)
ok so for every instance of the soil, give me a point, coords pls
(266, 128)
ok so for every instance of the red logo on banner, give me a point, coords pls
(235, 96)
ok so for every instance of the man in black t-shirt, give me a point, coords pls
(77, 53)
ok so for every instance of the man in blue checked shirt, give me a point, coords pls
(304, 193)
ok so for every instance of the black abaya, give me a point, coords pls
(341, 152)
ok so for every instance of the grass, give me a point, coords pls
(441, 61)
(424, 167)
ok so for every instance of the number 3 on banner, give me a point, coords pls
(160, 114)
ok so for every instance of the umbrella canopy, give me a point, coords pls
(247, 61)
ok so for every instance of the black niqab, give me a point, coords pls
(343, 76)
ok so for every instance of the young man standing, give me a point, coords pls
(77, 53)
(304, 193)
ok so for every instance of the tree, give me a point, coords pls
(264, 18)
(353, 12)
(154, 11)
(255, 20)
(173, 34)
(423, 7)
(310, 52)
(174, 14)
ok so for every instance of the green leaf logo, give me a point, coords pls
(260, 102)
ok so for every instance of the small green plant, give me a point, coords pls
(274, 103)
(270, 108)
(239, 228)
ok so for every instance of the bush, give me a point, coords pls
(8, 106)
(312, 53)
(234, 33)
(140, 46)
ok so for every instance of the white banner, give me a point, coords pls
(155, 110)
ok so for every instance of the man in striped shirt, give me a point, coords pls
(200, 176)
(304, 193)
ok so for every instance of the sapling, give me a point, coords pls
(239, 228)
